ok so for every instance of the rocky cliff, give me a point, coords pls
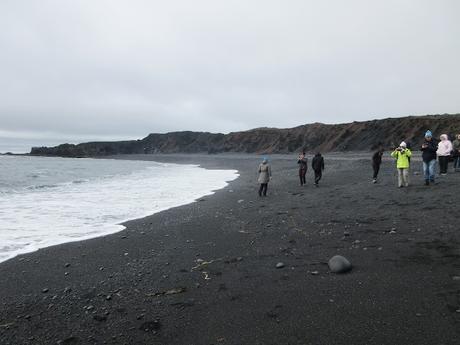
(355, 136)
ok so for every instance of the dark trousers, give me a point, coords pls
(263, 189)
(443, 163)
(318, 175)
(376, 168)
(302, 173)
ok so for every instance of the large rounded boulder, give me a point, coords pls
(339, 264)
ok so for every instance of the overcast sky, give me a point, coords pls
(113, 69)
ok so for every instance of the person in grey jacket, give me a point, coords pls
(265, 175)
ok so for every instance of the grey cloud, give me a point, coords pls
(127, 68)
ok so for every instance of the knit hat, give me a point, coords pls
(403, 144)
(428, 134)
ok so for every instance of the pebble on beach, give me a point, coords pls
(339, 264)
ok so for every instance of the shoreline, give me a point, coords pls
(119, 225)
(148, 283)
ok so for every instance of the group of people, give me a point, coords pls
(317, 164)
(432, 151)
(265, 171)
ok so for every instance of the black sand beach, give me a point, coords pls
(205, 273)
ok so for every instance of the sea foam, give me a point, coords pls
(39, 215)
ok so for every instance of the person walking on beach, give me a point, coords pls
(444, 151)
(429, 148)
(265, 175)
(376, 161)
(303, 166)
(456, 148)
(402, 155)
(317, 164)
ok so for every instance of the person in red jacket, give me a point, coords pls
(303, 166)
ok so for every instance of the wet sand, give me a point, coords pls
(205, 273)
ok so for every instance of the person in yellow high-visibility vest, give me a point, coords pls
(402, 155)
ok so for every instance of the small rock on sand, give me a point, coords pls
(147, 326)
(100, 317)
(339, 264)
(279, 265)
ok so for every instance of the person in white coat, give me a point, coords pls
(444, 151)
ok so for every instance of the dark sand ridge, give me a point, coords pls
(146, 284)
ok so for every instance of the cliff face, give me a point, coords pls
(355, 136)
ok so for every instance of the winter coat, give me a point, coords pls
(402, 158)
(303, 164)
(444, 147)
(377, 158)
(456, 147)
(429, 152)
(265, 172)
(317, 162)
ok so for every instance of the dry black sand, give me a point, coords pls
(149, 285)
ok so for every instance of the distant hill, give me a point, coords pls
(355, 136)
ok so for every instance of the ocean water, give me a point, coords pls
(47, 201)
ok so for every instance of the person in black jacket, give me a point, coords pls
(303, 166)
(376, 161)
(456, 147)
(429, 148)
(318, 166)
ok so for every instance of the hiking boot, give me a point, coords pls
(427, 182)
